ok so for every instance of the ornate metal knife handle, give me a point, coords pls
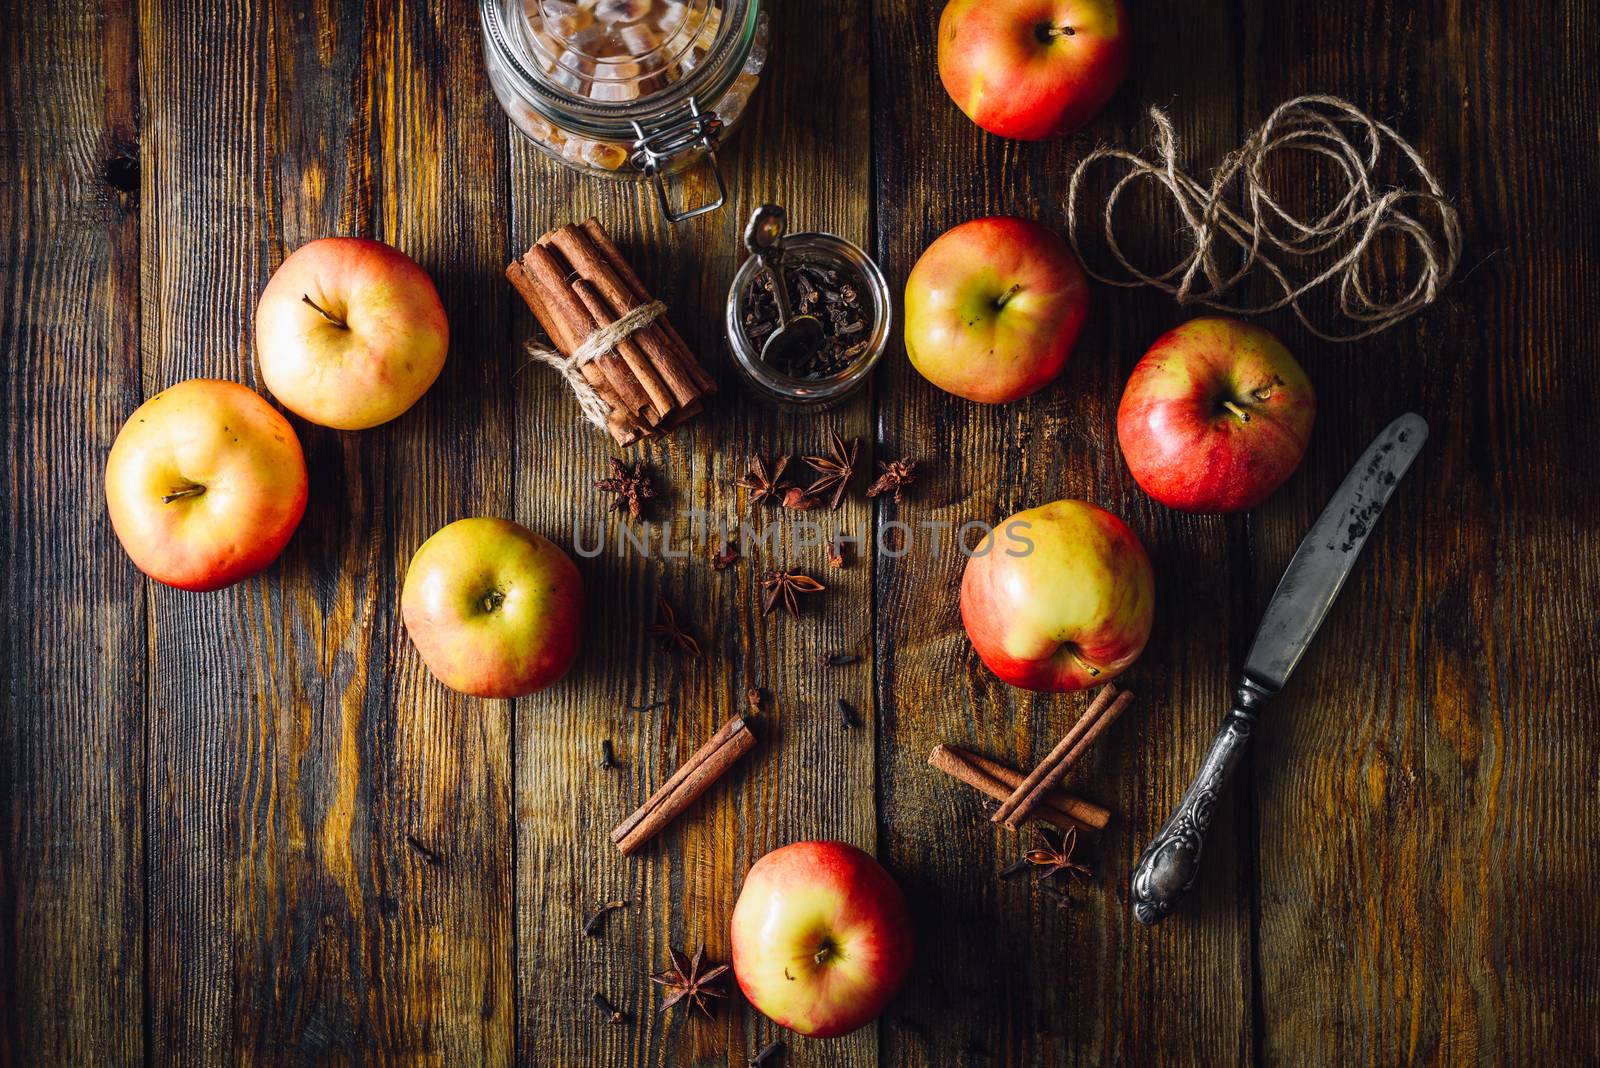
(1169, 864)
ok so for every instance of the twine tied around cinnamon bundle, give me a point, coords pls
(1267, 235)
(600, 341)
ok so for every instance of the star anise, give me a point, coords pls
(727, 556)
(1053, 854)
(630, 484)
(785, 587)
(896, 476)
(666, 630)
(689, 980)
(834, 470)
(765, 483)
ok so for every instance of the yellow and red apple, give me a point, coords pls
(494, 609)
(822, 938)
(1216, 416)
(205, 484)
(1059, 597)
(350, 332)
(1032, 69)
(993, 308)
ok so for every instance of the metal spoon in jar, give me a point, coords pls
(797, 336)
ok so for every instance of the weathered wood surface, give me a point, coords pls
(210, 802)
(74, 688)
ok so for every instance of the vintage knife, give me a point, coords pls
(1307, 590)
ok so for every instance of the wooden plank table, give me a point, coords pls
(249, 827)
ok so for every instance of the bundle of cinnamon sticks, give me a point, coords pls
(1032, 791)
(576, 282)
(998, 781)
(1038, 795)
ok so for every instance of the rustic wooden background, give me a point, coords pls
(208, 800)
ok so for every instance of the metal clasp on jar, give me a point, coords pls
(653, 152)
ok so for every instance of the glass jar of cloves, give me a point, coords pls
(626, 88)
(831, 279)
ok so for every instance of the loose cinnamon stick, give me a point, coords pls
(573, 322)
(593, 268)
(705, 767)
(608, 248)
(1048, 775)
(623, 431)
(995, 779)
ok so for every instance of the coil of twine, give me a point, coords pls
(599, 342)
(1264, 234)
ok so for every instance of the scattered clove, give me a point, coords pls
(768, 1052)
(597, 923)
(608, 756)
(429, 855)
(651, 707)
(753, 697)
(1015, 868)
(847, 715)
(613, 1014)
(840, 659)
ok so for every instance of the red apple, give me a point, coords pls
(350, 332)
(1215, 417)
(205, 484)
(494, 609)
(821, 938)
(993, 308)
(1032, 69)
(1059, 597)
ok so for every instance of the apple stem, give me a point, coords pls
(1004, 298)
(180, 494)
(1094, 672)
(336, 322)
(1244, 416)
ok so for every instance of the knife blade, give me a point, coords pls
(1317, 571)
(1308, 588)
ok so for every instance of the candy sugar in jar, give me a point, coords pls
(626, 88)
